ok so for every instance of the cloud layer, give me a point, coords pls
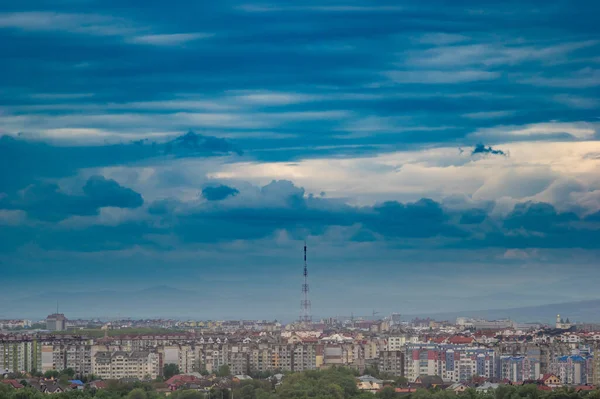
(436, 141)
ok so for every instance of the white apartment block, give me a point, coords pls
(121, 364)
(395, 343)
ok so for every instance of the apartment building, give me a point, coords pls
(451, 362)
(395, 342)
(237, 357)
(56, 322)
(519, 368)
(391, 362)
(574, 369)
(260, 358)
(19, 355)
(304, 357)
(10, 324)
(121, 364)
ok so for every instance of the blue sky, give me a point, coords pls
(435, 155)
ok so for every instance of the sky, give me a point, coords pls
(435, 156)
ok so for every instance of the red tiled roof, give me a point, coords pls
(99, 384)
(181, 379)
(546, 376)
(14, 383)
(405, 390)
(457, 339)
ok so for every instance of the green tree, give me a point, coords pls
(170, 369)
(51, 374)
(137, 393)
(63, 380)
(387, 393)
(400, 381)
(224, 371)
(69, 372)
(187, 394)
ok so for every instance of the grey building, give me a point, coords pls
(56, 322)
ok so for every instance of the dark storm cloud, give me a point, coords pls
(218, 193)
(539, 217)
(473, 216)
(282, 206)
(482, 149)
(23, 162)
(46, 201)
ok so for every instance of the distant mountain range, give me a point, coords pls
(168, 302)
(580, 311)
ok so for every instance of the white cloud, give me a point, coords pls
(172, 39)
(341, 8)
(270, 97)
(439, 173)
(94, 25)
(577, 102)
(586, 77)
(441, 38)
(90, 24)
(516, 182)
(578, 130)
(441, 77)
(60, 96)
(489, 115)
(491, 54)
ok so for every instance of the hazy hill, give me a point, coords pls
(581, 311)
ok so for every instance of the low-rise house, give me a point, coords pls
(369, 383)
(429, 381)
(13, 383)
(98, 384)
(550, 380)
(487, 386)
(369, 386)
(48, 386)
(458, 387)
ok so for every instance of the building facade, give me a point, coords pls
(120, 364)
(56, 322)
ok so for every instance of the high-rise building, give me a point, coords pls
(56, 322)
(519, 368)
(19, 355)
(392, 362)
(451, 362)
(575, 369)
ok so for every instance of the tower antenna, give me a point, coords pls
(305, 316)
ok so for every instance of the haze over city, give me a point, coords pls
(436, 157)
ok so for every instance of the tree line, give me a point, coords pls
(334, 383)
